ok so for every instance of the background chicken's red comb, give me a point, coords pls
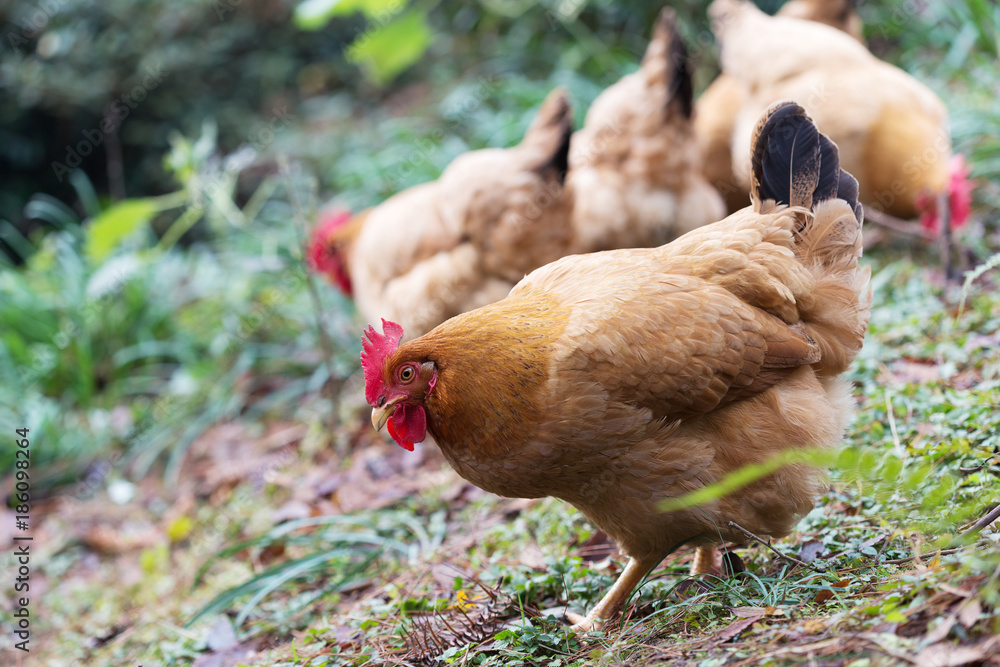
(375, 349)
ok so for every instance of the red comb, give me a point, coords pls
(375, 349)
(321, 256)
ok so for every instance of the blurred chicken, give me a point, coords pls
(618, 379)
(441, 248)
(716, 109)
(891, 129)
(635, 166)
(839, 14)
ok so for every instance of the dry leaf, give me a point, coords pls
(736, 627)
(811, 550)
(969, 613)
(813, 626)
(749, 612)
(825, 595)
(949, 655)
(941, 630)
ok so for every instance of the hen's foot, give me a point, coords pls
(583, 624)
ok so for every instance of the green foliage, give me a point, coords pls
(394, 37)
(393, 48)
(338, 553)
(84, 83)
(111, 343)
(534, 642)
(112, 226)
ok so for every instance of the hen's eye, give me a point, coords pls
(407, 373)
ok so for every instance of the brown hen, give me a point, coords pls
(635, 165)
(445, 247)
(891, 129)
(619, 379)
(717, 107)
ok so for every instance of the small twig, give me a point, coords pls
(944, 215)
(885, 543)
(930, 554)
(901, 561)
(989, 518)
(733, 524)
(892, 425)
(894, 223)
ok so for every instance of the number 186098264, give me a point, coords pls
(22, 485)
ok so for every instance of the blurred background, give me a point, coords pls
(161, 166)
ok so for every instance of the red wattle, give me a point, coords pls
(405, 444)
(408, 425)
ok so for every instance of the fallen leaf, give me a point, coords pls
(234, 656)
(532, 557)
(732, 563)
(949, 655)
(811, 550)
(749, 612)
(905, 371)
(813, 626)
(598, 547)
(293, 509)
(736, 627)
(969, 613)
(221, 636)
(954, 590)
(941, 630)
(691, 587)
(826, 594)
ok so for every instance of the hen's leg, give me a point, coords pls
(707, 560)
(611, 604)
(944, 216)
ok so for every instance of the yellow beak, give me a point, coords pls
(381, 415)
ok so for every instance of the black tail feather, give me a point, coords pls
(681, 86)
(794, 164)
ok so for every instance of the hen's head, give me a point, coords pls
(325, 254)
(396, 386)
(959, 198)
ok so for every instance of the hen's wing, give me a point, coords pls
(675, 344)
(725, 311)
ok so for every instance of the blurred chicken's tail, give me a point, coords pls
(794, 164)
(667, 66)
(549, 134)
